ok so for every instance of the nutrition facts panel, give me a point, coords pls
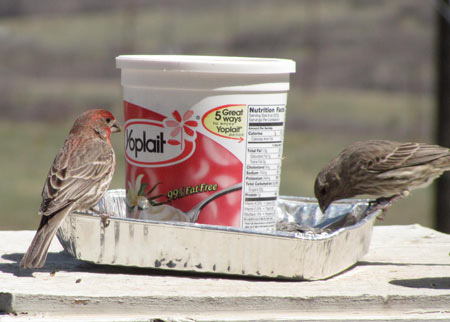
(262, 166)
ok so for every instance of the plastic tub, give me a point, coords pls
(204, 138)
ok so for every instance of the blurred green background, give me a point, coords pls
(365, 69)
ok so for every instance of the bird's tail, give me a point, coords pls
(443, 163)
(36, 254)
(446, 163)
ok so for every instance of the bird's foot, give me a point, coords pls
(103, 217)
(383, 203)
(383, 213)
(105, 220)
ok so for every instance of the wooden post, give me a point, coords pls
(443, 111)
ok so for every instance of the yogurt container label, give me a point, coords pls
(208, 159)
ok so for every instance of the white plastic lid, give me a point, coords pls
(207, 64)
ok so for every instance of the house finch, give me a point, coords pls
(381, 168)
(78, 178)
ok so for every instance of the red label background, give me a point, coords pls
(210, 163)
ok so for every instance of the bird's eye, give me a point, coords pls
(108, 120)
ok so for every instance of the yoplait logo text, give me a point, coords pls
(136, 144)
(159, 143)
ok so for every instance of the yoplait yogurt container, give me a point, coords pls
(204, 137)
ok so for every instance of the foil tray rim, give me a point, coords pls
(229, 229)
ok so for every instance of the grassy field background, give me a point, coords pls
(364, 70)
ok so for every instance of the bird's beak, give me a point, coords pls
(115, 127)
(324, 205)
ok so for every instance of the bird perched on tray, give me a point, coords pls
(381, 168)
(78, 178)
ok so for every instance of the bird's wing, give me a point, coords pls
(391, 156)
(74, 172)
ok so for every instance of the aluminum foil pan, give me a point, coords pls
(307, 244)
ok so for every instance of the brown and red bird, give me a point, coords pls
(79, 176)
(381, 168)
